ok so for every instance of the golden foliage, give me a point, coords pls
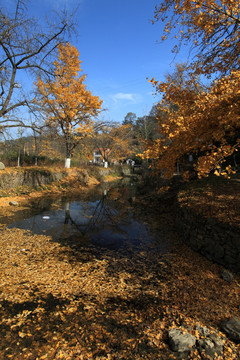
(47, 149)
(70, 106)
(213, 26)
(73, 301)
(115, 141)
(205, 123)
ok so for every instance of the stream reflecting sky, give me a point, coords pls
(107, 221)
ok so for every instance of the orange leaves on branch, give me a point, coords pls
(211, 25)
(201, 122)
(47, 149)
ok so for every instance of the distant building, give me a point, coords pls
(100, 155)
(96, 156)
(130, 162)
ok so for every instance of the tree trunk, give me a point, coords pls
(67, 163)
(68, 153)
(67, 213)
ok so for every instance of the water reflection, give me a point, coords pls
(104, 219)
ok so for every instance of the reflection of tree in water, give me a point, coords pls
(104, 218)
(107, 213)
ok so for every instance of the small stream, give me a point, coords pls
(105, 218)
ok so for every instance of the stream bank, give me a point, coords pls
(62, 301)
(23, 184)
(207, 218)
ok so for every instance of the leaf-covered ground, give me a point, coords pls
(214, 197)
(71, 302)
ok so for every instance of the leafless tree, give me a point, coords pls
(26, 46)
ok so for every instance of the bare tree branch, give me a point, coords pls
(24, 46)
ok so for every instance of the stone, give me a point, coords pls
(211, 346)
(232, 328)
(203, 330)
(180, 340)
(227, 275)
(13, 203)
(2, 166)
(217, 340)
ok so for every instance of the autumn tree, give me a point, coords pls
(68, 105)
(211, 26)
(50, 148)
(198, 120)
(25, 47)
(113, 141)
(204, 123)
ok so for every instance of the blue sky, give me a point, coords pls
(118, 49)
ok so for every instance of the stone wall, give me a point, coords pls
(219, 242)
(29, 177)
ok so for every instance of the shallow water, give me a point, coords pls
(105, 218)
